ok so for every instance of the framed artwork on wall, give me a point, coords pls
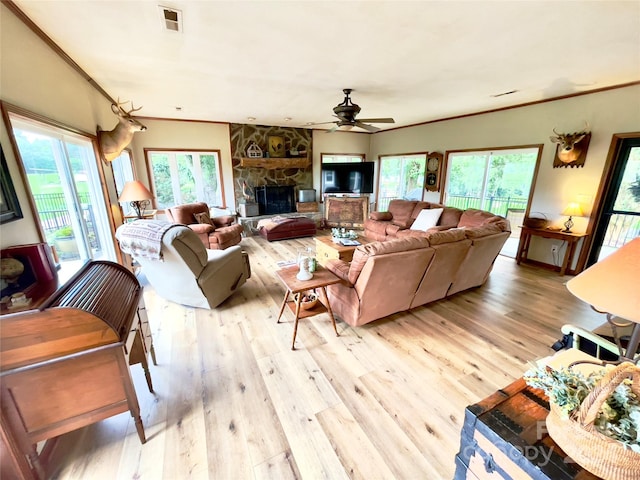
(276, 147)
(9, 206)
(434, 171)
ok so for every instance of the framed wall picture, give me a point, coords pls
(434, 171)
(9, 206)
(276, 147)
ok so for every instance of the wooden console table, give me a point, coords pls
(569, 237)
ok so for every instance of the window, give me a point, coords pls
(122, 167)
(401, 176)
(341, 158)
(492, 180)
(179, 177)
(65, 185)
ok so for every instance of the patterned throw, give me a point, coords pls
(143, 238)
(269, 223)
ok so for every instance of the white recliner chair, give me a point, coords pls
(190, 274)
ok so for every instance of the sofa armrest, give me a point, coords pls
(340, 269)
(441, 228)
(201, 228)
(223, 221)
(381, 216)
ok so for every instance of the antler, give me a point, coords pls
(133, 109)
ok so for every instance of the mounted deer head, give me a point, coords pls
(112, 143)
(569, 150)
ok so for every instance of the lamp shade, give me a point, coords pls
(134, 191)
(573, 210)
(611, 285)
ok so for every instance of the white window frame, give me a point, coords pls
(197, 172)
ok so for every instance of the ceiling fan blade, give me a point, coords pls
(320, 123)
(368, 128)
(377, 120)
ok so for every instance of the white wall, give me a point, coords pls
(609, 112)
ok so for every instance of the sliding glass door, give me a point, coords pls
(64, 183)
(498, 181)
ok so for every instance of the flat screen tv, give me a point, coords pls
(347, 177)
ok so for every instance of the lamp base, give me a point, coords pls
(567, 225)
(139, 206)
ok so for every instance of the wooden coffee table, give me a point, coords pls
(321, 278)
(326, 249)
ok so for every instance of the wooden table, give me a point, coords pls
(326, 249)
(569, 237)
(321, 278)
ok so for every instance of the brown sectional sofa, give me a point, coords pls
(412, 268)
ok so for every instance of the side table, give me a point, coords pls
(569, 237)
(321, 278)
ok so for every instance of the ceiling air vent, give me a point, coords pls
(171, 19)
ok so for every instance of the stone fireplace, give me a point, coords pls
(291, 171)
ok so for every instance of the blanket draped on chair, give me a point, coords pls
(143, 238)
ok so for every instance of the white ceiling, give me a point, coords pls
(414, 61)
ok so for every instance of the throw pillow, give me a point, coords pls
(427, 219)
(203, 218)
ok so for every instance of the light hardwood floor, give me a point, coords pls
(385, 400)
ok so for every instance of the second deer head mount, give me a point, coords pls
(112, 142)
(572, 147)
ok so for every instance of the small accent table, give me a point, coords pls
(321, 278)
(569, 237)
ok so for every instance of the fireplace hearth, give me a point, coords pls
(275, 199)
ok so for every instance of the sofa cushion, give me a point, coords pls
(363, 252)
(381, 216)
(450, 217)
(483, 231)
(447, 236)
(426, 219)
(401, 211)
(476, 218)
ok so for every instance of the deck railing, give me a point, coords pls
(54, 214)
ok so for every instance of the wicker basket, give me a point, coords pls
(310, 304)
(579, 439)
(536, 222)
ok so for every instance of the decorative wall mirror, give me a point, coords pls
(434, 171)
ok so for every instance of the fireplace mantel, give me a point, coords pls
(275, 163)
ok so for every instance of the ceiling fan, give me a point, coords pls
(346, 113)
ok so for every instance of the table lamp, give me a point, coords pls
(611, 287)
(138, 196)
(573, 210)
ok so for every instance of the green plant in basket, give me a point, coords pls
(619, 415)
